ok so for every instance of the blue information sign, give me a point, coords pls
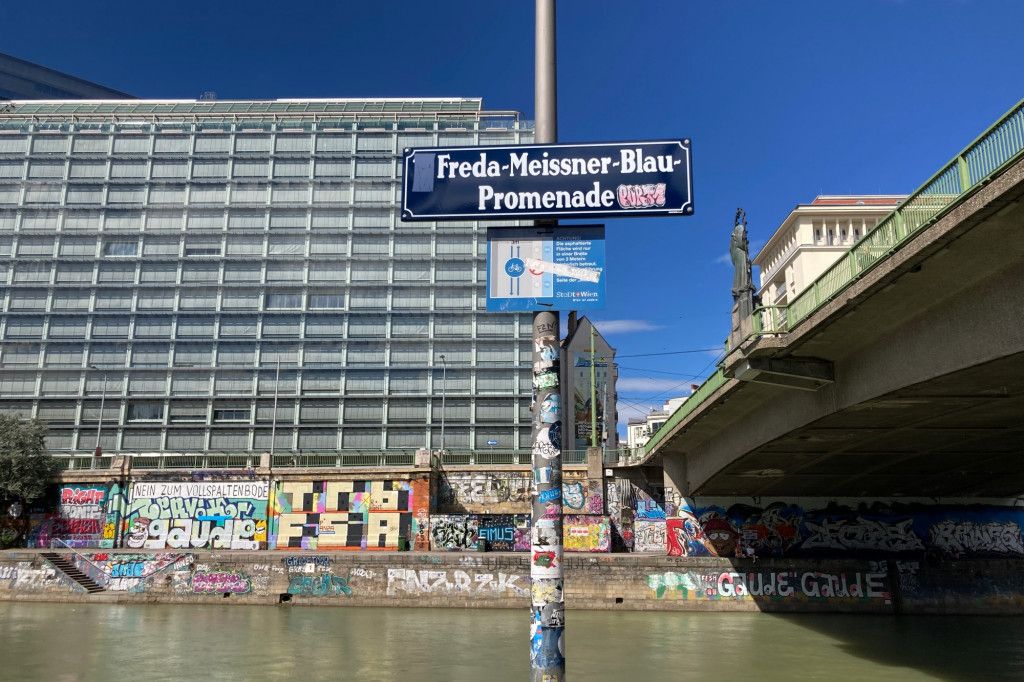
(556, 180)
(558, 268)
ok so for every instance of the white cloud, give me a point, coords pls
(755, 246)
(624, 326)
(645, 385)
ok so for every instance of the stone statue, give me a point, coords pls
(739, 253)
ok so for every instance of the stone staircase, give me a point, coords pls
(63, 563)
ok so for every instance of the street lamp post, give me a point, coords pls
(444, 391)
(99, 422)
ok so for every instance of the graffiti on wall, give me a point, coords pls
(83, 515)
(409, 581)
(586, 533)
(649, 536)
(221, 582)
(484, 492)
(322, 585)
(772, 585)
(206, 515)
(582, 497)
(783, 529)
(505, 532)
(509, 492)
(453, 532)
(130, 572)
(360, 514)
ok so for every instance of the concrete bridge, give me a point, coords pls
(900, 372)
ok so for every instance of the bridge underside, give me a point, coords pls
(927, 396)
(959, 435)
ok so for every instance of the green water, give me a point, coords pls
(168, 642)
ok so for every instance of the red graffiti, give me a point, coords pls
(76, 527)
(82, 495)
(641, 196)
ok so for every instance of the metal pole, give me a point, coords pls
(444, 391)
(273, 422)
(547, 623)
(593, 391)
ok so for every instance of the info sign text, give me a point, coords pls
(548, 181)
(556, 268)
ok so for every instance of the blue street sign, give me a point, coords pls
(492, 442)
(559, 268)
(556, 180)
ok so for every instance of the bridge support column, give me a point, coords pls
(676, 486)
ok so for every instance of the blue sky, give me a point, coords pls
(783, 101)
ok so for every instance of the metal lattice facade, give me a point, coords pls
(171, 259)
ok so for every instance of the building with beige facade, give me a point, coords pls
(813, 237)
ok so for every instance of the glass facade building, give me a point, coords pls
(187, 265)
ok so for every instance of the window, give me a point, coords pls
(328, 244)
(407, 411)
(251, 168)
(141, 440)
(364, 381)
(322, 354)
(363, 411)
(110, 327)
(245, 246)
(333, 168)
(238, 327)
(145, 412)
(27, 354)
(242, 354)
(182, 441)
(193, 355)
(187, 412)
(318, 439)
(59, 383)
(320, 381)
(160, 246)
(167, 195)
(202, 247)
(361, 439)
(46, 169)
(193, 383)
(197, 299)
(147, 382)
(249, 194)
(240, 299)
(324, 325)
(409, 325)
(292, 143)
(281, 325)
(252, 143)
(151, 355)
(127, 169)
(284, 300)
(326, 142)
(155, 299)
(212, 144)
(231, 414)
(152, 327)
(327, 271)
(169, 169)
(233, 382)
(332, 194)
(200, 272)
(291, 168)
(242, 272)
(209, 169)
(195, 327)
(131, 144)
(121, 248)
(286, 270)
(408, 382)
(326, 299)
(121, 273)
(171, 144)
(314, 411)
(114, 299)
(59, 356)
(84, 195)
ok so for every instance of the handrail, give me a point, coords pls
(1000, 145)
(75, 551)
(107, 573)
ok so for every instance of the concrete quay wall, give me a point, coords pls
(501, 580)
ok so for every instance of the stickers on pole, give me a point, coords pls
(557, 268)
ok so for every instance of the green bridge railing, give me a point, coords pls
(985, 157)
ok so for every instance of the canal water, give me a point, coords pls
(168, 642)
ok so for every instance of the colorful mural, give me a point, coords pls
(352, 515)
(583, 496)
(587, 533)
(197, 515)
(453, 533)
(782, 529)
(85, 515)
